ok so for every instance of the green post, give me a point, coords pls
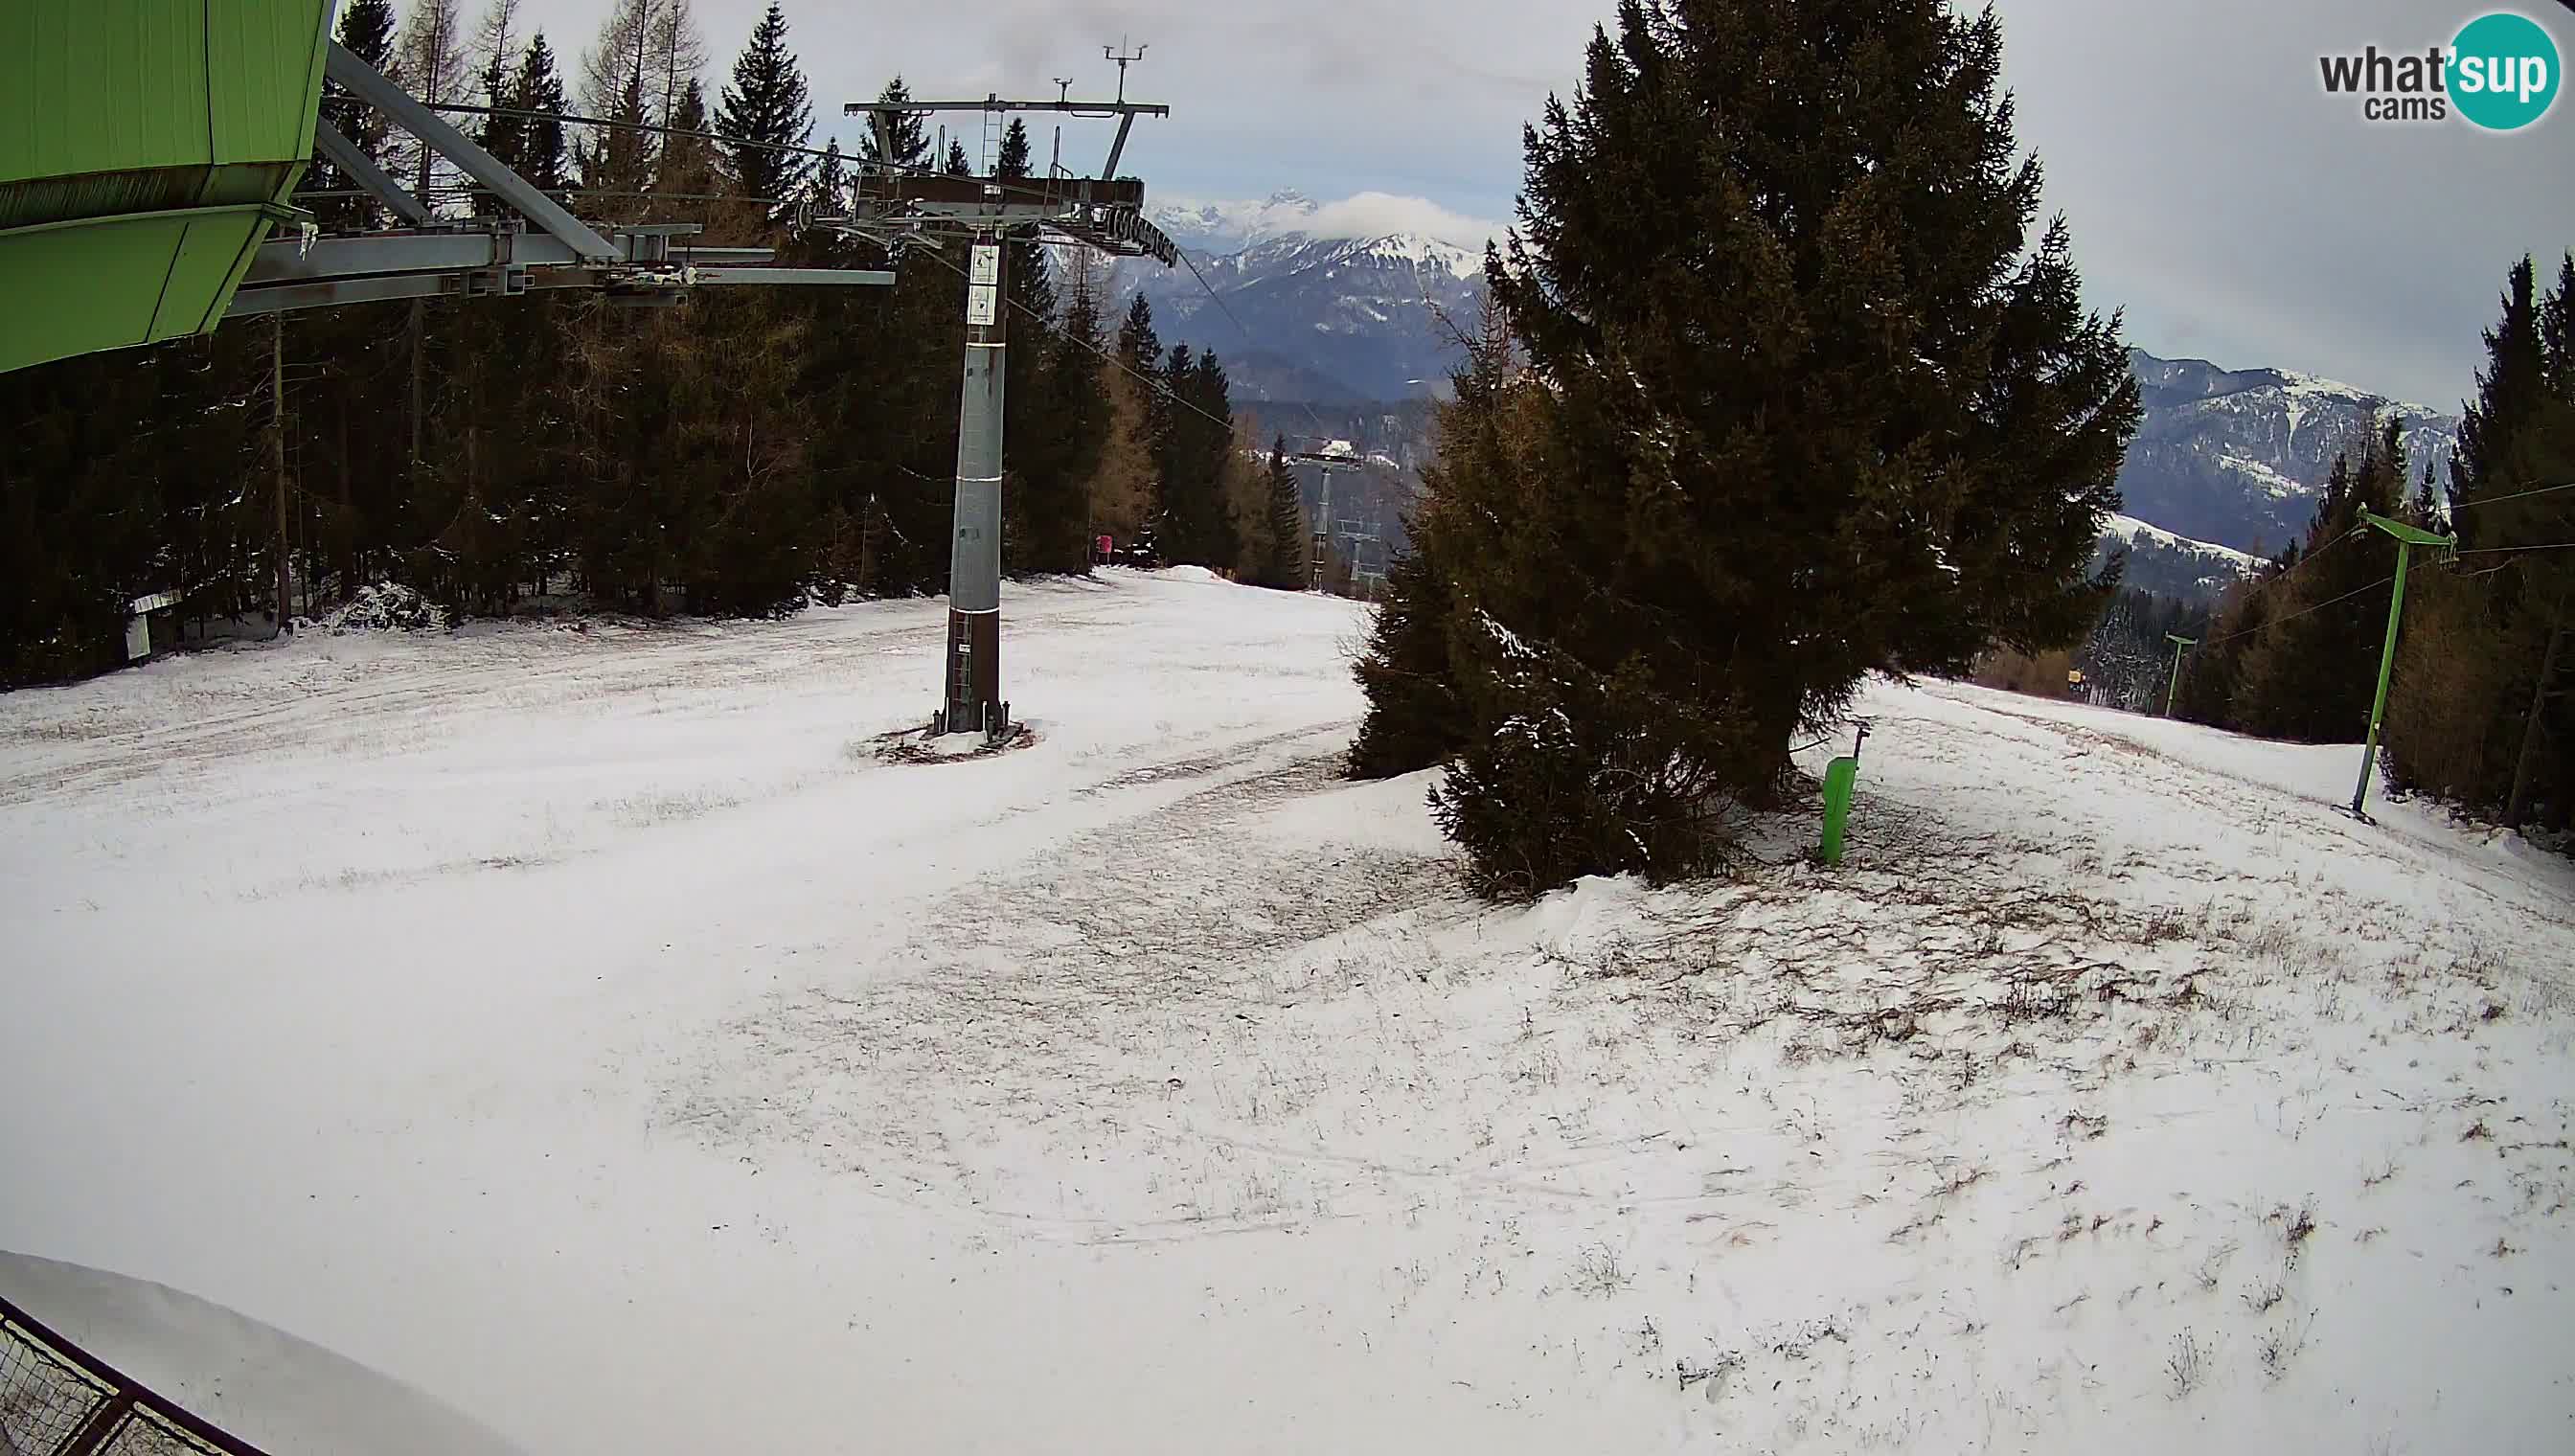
(2175, 690)
(2407, 537)
(1839, 776)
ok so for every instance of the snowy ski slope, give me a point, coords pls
(585, 1029)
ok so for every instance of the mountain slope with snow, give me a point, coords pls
(2237, 457)
(1307, 312)
(2174, 566)
(590, 1028)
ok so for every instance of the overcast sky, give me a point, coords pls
(2234, 211)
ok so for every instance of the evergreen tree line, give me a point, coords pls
(2127, 661)
(1778, 390)
(755, 449)
(2478, 704)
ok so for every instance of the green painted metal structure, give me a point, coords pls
(146, 150)
(2407, 537)
(1840, 776)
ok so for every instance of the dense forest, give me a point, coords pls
(2479, 708)
(750, 451)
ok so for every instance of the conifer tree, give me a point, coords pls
(829, 188)
(687, 172)
(367, 29)
(767, 106)
(1061, 428)
(1138, 348)
(2477, 710)
(1819, 406)
(2509, 389)
(1287, 565)
(908, 131)
(2311, 674)
(543, 158)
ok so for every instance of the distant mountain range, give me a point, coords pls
(2236, 457)
(2225, 469)
(1300, 317)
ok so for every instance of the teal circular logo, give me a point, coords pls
(2503, 71)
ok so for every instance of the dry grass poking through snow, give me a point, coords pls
(2117, 1095)
(1969, 1141)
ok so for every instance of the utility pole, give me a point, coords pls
(893, 205)
(277, 458)
(2407, 537)
(974, 694)
(2181, 644)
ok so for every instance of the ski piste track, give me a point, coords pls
(778, 1095)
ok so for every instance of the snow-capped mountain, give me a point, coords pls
(1318, 305)
(2236, 457)
(2174, 566)
(1305, 316)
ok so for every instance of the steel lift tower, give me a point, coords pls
(898, 206)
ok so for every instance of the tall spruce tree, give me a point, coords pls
(828, 188)
(543, 158)
(2478, 712)
(689, 173)
(2311, 673)
(907, 130)
(2509, 389)
(764, 107)
(1139, 347)
(1819, 405)
(1286, 569)
(1196, 525)
(367, 29)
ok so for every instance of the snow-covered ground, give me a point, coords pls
(588, 1028)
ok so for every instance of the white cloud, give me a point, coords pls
(1376, 214)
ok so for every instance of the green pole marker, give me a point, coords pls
(1840, 776)
(2407, 537)
(2175, 690)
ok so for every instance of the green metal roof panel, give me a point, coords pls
(174, 272)
(146, 146)
(115, 85)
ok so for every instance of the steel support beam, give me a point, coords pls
(362, 169)
(325, 293)
(287, 294)
(1117, 148)
(288, 260)
(840, 276)
(370, 86)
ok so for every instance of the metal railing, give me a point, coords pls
(57, 1399)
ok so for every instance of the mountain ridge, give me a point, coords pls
(1305, 307)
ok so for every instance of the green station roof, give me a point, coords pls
(146, 149)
